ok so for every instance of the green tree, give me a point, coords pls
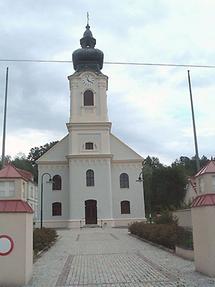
(7, 160)
(168, 187)
(189, 164)
(37, 152)
(23, 163)
(150, 164)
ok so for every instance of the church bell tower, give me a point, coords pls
(88, 124)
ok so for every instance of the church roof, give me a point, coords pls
(10, 171)
(208, 168)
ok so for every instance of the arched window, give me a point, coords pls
(124, 180)
(88, 98)
(57, 182)
(56, 209)
(89, 145)
(125, 207)
(90, 177)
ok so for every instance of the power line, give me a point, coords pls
(112, 63)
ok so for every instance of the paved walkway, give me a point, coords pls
(110, 257)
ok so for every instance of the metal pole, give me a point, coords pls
(41, 198)
(194, 125)
(4, 121)
(141, 179)
(41, 204)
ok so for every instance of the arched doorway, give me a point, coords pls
(91, 211)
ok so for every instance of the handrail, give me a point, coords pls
(82, 219)
(82, 222)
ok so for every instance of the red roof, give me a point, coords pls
(207, 199)
(15, 206)
(10, 171)
(208, 168)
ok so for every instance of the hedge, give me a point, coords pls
(43, 238)
(163, 234)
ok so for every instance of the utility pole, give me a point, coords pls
(4, 120)
(194, 125)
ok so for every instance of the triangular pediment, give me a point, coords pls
(121, 151)
(57, 153)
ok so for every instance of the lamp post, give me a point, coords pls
(141, 179)
(41, 197)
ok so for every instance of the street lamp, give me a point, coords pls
(41, 197)
(141, 179)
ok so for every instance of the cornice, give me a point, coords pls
(84, 156)
(79, 75)
(89, 126)
(127, 160)
(52, 162)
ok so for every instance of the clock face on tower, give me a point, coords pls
(88, 80)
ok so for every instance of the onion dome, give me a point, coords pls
(87, 58)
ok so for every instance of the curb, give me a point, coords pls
(41, 252)
(153, 244)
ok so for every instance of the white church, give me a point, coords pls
(93, 172)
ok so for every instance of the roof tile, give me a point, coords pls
(207, 199)
(15, 206)
(10, 171)
(208, 168)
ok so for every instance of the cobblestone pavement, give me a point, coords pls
(111, 257)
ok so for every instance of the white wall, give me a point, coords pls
(50, 196)
(134, 193)
(79, 192)
(81, 113)
(184, 217)
(203, 239)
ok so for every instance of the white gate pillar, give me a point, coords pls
(16, 242)
(203, 214)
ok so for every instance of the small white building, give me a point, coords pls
(202, 182)
(18, 184)
(205, 178)
(94, 173)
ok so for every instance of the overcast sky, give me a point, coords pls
(148, 106)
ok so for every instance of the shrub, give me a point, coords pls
(43, 238)
(185, 238)
(163, 234)
(165, 217)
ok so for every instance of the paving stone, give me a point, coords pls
(110, 257)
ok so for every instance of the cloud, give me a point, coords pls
(149, 106)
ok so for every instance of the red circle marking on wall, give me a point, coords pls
(6, 245)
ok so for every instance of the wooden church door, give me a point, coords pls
(91, 211)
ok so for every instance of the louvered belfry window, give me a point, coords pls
(88, 98)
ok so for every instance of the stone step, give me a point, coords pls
(91, 226)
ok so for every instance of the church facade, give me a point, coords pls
(93, 172)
